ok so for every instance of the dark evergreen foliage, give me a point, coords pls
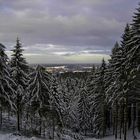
(19, 69)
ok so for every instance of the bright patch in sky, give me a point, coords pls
(64, 31)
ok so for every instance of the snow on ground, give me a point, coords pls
(129, 137)
(10, 136)
(4, 136)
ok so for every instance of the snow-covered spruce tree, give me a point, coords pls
(84, 111)
(70, 89)
(125, 99)
(133, 55)
(19, 69)
(90, 87)
(113, 84)
(99, 102)
(6, 83)
(56, 100)
(109, 89)
(118, 91)
(132, 63)
(112, 72)
(39, 93)
(90, 80)
(117, 84)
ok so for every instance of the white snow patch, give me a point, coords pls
(112, 137)
(13, 137)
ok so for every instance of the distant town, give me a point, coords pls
(63, 68)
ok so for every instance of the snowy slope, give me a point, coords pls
(129, 137)
(10, 136)
(4, 136)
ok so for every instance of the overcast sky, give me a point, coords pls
(64, 31)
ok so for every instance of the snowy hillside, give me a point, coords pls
(12, 137)
(129, 137)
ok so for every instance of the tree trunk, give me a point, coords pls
(116, 122)
(40, 127)
(44, 128)
(104, 122)
(108, 119)
(113, 125)
(133, 117)
(125, 120)
(31, 123)
(9, 114)
(121, 121)
(18, 120)
(129, 116)
(18, 112)
(138, 120)
(53, 127)
(121, 130)
(85, 132)
(1, 116)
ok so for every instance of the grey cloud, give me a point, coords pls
(70, 26)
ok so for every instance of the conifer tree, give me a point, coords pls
(90, 91)
(124, 78)
(70, 90)
(132, 64)
(99, 102)
(19, 69)
(112, 73)
(56, 99)
(6, 83)
(114, 84)
(39, 90)
(83, 108)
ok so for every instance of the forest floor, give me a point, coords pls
(8, 128)
(129, 137)
(10, 136)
